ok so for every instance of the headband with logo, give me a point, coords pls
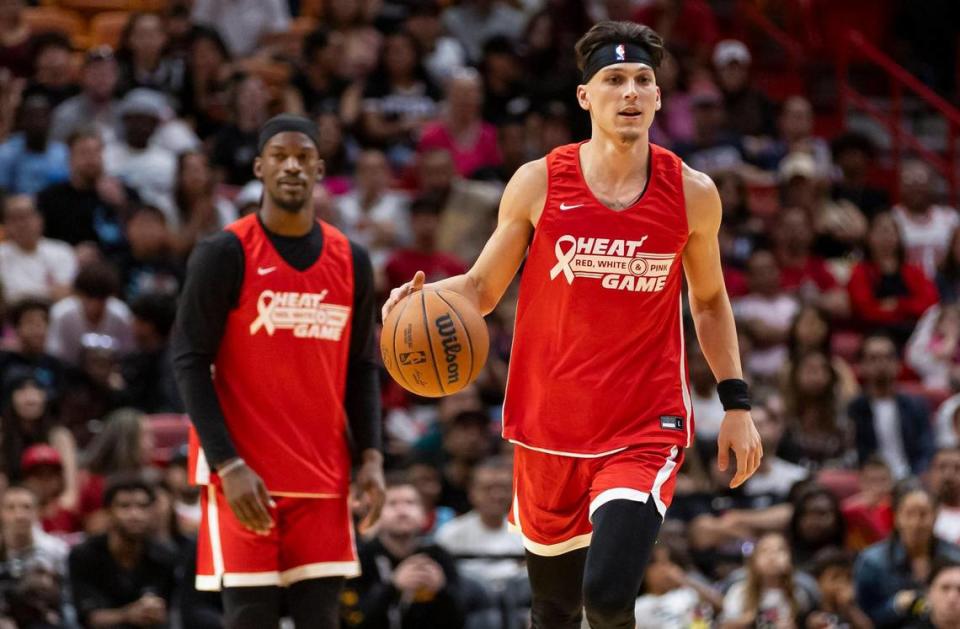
(615, 53)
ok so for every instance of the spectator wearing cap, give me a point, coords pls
(839, 225)
(93, 308)
(475, 21)
(22, 542)
(30, 320)
(30, 160)
(27, 421)
(422, 254)
(95, 104)
(53, 72)
(85, 210)
(144, 59)
(243, 23)
(124, 577)
(31, 265)
(442, 54)
(141, 164)
(926, 225)
(472, 142)
(749, 111)
(60, 513)
(853, 153)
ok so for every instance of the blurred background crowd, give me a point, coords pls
(128, 131)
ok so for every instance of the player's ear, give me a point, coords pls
(321, 169)
(659, 101)
(258, 167)
(582, 97)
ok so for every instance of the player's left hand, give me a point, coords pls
(371, 484)
(738, 433)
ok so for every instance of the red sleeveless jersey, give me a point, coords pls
(598, 360)
(281, 370)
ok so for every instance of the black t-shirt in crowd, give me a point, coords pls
(234, 151)
(212, 290)
(76, 216)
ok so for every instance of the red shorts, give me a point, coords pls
(555, 496)
(311, 538)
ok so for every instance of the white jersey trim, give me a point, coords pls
(685, 392)
(617, 493)
(546, 550)
(348, 569)
(662, 475)
(578, 455)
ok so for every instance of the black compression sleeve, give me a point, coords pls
(362, 398)
(211, 290)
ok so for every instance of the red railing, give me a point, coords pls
(901, 138)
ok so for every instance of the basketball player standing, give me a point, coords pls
(597, 397)
(282, 306)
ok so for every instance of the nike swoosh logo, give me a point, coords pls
(266, 270)
(564, 207)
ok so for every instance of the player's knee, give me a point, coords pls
(608, 604)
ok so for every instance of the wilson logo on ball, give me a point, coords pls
(451, 346)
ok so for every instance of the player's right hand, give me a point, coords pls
(398, 293)
(248, 498)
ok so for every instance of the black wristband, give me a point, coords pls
(734, 394)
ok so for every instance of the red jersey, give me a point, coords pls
(598, 360)
(281, 369)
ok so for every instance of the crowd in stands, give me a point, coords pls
(115, 160)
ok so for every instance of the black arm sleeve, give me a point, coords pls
(362, 398)
(212, 288)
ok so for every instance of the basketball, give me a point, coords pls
(434, 342)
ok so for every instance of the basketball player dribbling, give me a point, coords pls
(597, 398)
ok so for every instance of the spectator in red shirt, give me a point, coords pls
(886, 292)
(461, 130)
(422, 254)
(801, 272)
(869, 513)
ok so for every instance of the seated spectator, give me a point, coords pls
(775, 477)
(749, 111)
(426, 478)
(795, 135)
(144, 60)
(29, 159)
(442, 54)
(42, 473)
(853, 152)
(933, 351)
(363, 40)
(944, 484)
(474, 22)
(690, 26)
(95, 105)
(942, 607)
(338, 149)
(148, 370)
(673, 594)
(124, 577)
(22, 542)
(817, 523)
(235, 145)
(31, 265)
(320, 83)
(889, 576)
(801, 271)
(203, 98)
(926, 226)
(472, 142)
(88, 207)
(93, 388)
(53, 71)
(703, 394)
(948, 274)
(243, 24)
(397, 100)
(713, 147)
(469, 207)
(767, 313)
(15, 49)
(400, 577)
(886, 291)
(145, 166)
(93, 308)
(674, 120)
(30, 319)
(833, 569)
(38, 599)
(769, 594)
(201, 211)
(422, 254)
(485, 548)
(947, 423)
(811, 332)
(818, 433)
(372, 214)
(869, 512)
(149, 266)
(895, 425)
(740, 231)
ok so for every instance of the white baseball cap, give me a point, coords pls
(731, 51)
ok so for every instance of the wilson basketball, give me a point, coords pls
(434, 343)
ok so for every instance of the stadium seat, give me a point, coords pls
(170, 432)
(89, 8)
(107, 28)
(841, 483)
(54, 19)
